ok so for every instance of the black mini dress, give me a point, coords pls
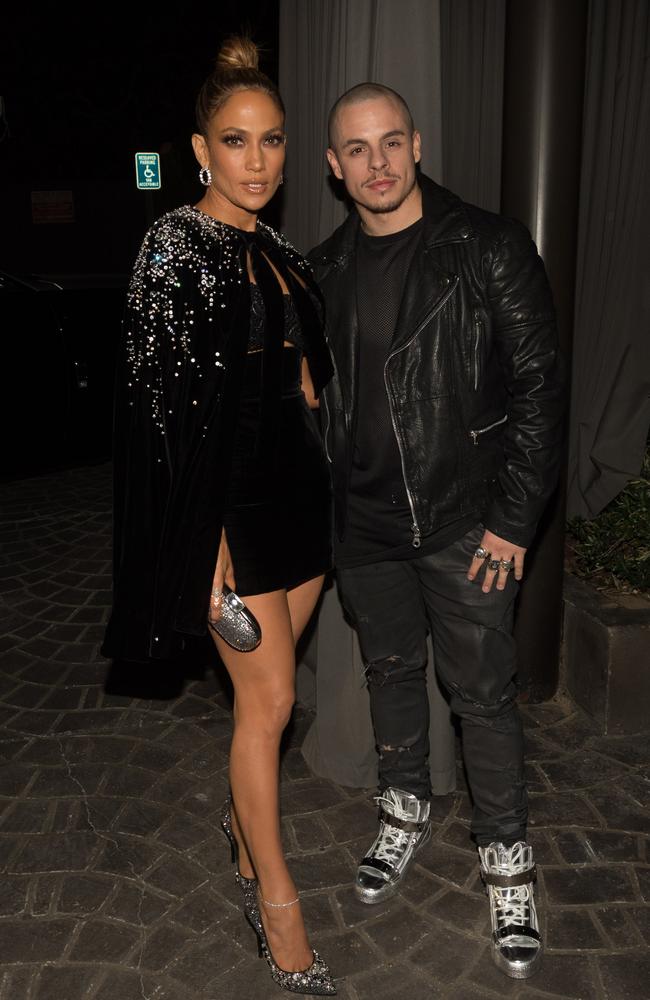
(277, 516)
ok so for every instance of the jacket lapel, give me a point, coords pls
(426, 289)
(343, 330)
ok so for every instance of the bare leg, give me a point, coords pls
(264, 695)
(302, 601)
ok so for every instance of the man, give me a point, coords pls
(443, 427)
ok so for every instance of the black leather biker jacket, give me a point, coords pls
(474, 379)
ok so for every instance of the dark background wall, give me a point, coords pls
(85, 90)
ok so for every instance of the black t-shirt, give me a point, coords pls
(379, 523)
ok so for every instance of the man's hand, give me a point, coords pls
(223, 573)
(497, 550)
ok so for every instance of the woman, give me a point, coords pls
(219, 470)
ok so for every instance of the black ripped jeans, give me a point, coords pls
(393, 605)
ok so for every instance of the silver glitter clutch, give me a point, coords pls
(236, 624)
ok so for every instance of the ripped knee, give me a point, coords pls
(380, 671)
(387, 748)
(413, 743)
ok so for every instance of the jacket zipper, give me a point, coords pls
(327, 429)
(478, 328)
(327, 409)
(415, 527)
(475, 435)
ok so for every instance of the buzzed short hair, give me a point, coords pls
(366, 92)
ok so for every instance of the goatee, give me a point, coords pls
(391, 206)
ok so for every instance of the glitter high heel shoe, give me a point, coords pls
(314, 981)
(248, 886)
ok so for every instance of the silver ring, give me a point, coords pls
(494, 563)
(481, 553)
(505, 564)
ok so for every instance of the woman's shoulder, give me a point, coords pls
(186, 240)
(188, 226)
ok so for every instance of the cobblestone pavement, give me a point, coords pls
(117, 883)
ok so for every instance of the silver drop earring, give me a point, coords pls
(205, 176)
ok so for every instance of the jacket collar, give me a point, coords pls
(445, 221)
(445, 215)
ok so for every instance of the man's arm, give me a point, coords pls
(525, 339)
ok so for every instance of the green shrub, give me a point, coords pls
(613, 550)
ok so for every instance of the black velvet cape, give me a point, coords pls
(179, 377)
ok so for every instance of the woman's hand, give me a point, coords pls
(223, 573)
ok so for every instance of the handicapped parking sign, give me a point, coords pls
(147, 171)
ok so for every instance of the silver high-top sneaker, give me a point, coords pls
(508, 874)
(404, 828)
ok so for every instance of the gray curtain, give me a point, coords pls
(472, 46)
(327, 46)
(611, 365)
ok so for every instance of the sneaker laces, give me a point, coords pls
(513, 905)
(391, 841)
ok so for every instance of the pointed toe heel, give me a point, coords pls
(317, 980)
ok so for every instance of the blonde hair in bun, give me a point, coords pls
(236, 68)
(238, 52)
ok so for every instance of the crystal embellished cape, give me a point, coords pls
(185, 337)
